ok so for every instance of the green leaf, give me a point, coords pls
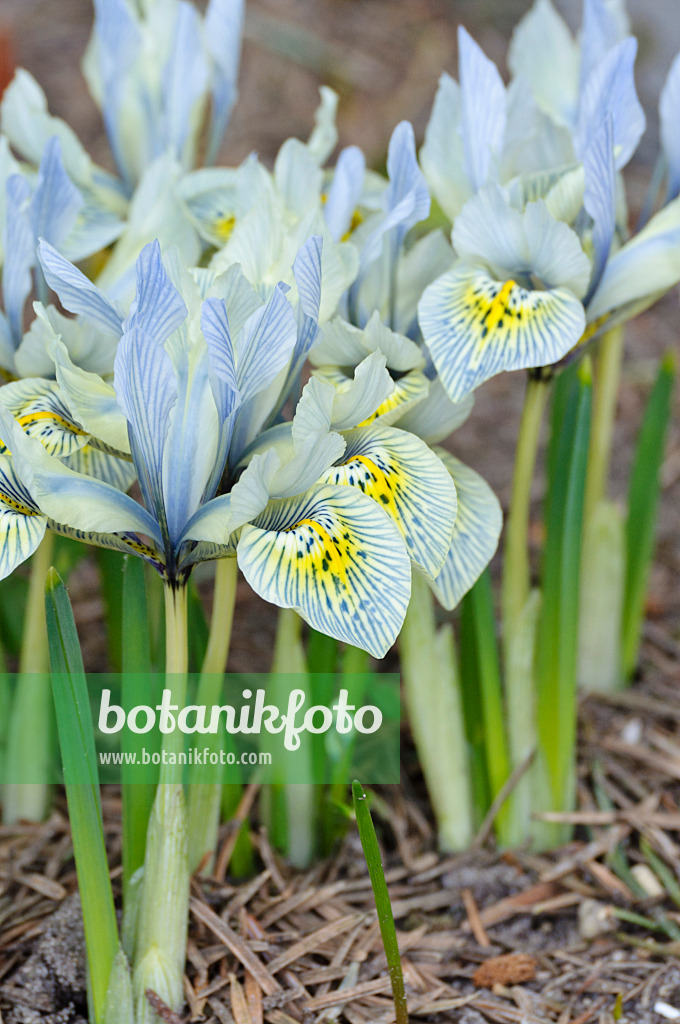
(478, 638)
(136, 661)
(76, 739)
(388, 932)
(643, 500)
(557, 644)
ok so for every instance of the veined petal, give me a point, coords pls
(669, 116)
(407, 479)
(305, 463)
(345, 191)
(265, 344)
(22, 527)
(103, 466)
(600, 196)
(185, 79)
(482, 107)
(76, 292)
(476, 326)
(605, 24)
(490, 231)
(475, 534)
(19, 241)
(77, 501)
(56, 201)
(336, 558)
(158, 308)
(611, 89)
(645, 267)
(223, 31)
(146, 388)
(41, 412)
(215, 327)
(218, 519)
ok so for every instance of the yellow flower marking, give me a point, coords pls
(357, 219)
(17, 506)
(29, 418)
(224, 226)
(326, 556)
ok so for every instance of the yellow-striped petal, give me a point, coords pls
(22, 527)
(409, 481)
(476, 326)
(475, 535)
(335, 557)
(38, 407)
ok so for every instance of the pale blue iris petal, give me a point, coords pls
(669, 115)
(119, 43)
(215, 327)
(223, 30)
(307, 274)
(19, 241)
(335, 557)
(488, 229)
(76, 292)
(185, 77)
(483, 108)
(56, 200)
(265, 345)
(600, 32)
(475, 534)
(218, 519)
(92, 462)
(305, 463)
(6, 344)
(600, 196)
(611, 88)
(406, 180)
(345, 191)
(645, 267)
(94, 230)
(192, 442)
(146, 388)
(158, 308)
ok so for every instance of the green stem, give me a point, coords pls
(164, 907)
(383, 906)
(516, 576)
(29, 740)
(433, 702)
(205, 795)
(605, 396)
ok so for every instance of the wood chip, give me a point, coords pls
(508, 969)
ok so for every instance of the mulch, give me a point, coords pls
(589, 932)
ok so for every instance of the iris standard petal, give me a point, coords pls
(483, 109)
(335, 557)
(76, 292)
(669, 116)
(611, 89)
(600, 197)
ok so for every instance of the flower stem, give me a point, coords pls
(30, 729)
(204, 794)
(516, 578)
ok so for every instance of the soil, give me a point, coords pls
(453, 914)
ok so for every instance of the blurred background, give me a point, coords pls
(384, 58)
